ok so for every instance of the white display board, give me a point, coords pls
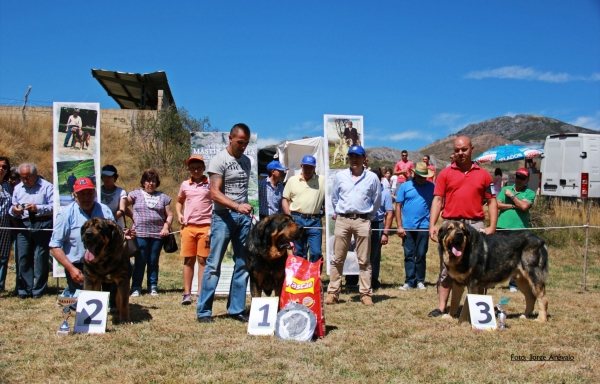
(337, 129)
(263, 314)
(92, 311)
(479, 310)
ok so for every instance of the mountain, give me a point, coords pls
(502, 130)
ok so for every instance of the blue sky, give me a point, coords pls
(416, 70)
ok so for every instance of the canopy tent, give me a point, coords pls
(291, 154)
(511, 152)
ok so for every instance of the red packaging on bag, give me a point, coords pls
(302, 285)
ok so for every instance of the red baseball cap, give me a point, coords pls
(523, 172)
(83, 183)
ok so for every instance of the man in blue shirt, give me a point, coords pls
(270, 190)
(32, 204)
(356, 197)
(66, 245)
(413, 203)
(380, 227)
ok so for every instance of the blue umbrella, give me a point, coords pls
(511, 152)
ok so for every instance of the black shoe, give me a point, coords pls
(240, 317)
(206, 319)
(24, 296)
(435, 313)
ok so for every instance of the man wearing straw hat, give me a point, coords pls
(413, 203)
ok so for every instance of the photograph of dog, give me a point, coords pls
(82, 138)
(266, 252)
(480, 261)
(341, 151)
(107, 261)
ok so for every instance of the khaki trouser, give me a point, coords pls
(344, 229)
(445, 280)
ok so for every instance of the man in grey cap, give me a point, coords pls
(303, 198)
(270, 190)
(356, 198)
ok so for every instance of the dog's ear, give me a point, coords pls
(260, 237)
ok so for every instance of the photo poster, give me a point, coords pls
(78, 157)
(341, 132)
(207, 145)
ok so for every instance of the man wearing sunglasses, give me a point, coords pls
(514, 203)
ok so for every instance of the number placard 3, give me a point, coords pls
(263, 315)
(481, 311)
(92, 310)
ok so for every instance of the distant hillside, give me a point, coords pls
(503, 130)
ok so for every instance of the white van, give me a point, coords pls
(571, 165)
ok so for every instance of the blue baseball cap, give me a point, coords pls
(276, 165)
(357, 150)
(309, 160)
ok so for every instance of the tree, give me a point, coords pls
(165, 138)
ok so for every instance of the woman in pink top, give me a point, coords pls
(152, 218)
(194, 195)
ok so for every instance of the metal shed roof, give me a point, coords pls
(135, 90)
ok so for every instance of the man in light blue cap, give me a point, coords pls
(303, 198)
(356, 197)
(270, 190)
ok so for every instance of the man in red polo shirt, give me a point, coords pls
(461, 189)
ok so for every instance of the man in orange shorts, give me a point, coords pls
(194, 195)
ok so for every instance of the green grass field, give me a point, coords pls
(394, 341)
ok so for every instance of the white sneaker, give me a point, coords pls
(421, 286)
(135, 293)
(153, 292)
(513, 289)
(405, 287)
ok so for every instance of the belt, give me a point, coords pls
(305, 216)
(354, 215)
(466, 221)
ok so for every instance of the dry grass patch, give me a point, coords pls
(394, 341)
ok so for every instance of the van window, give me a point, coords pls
(553, 157)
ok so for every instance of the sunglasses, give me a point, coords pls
(521, 177)
(14, 178)
(4, 166)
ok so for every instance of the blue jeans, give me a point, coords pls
(66, 143)
(415, 255)
(310, 242)
(225, 226)
(149, 254)
(34, 257)
(375, 257)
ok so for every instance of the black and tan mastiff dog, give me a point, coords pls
(107, 260)
(480, 261)
(266, 252)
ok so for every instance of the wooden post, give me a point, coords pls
(587, 240)
(24, 103)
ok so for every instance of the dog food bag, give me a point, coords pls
(302, 285)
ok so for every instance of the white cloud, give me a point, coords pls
(453, 121)
(263, 142)
(591, 122)
(528, 73)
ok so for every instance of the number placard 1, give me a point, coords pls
(92, 310)
(263, 315)
(479, 309)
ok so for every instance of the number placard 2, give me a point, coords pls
(263, 315)
(92, 310)
(479, 309)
